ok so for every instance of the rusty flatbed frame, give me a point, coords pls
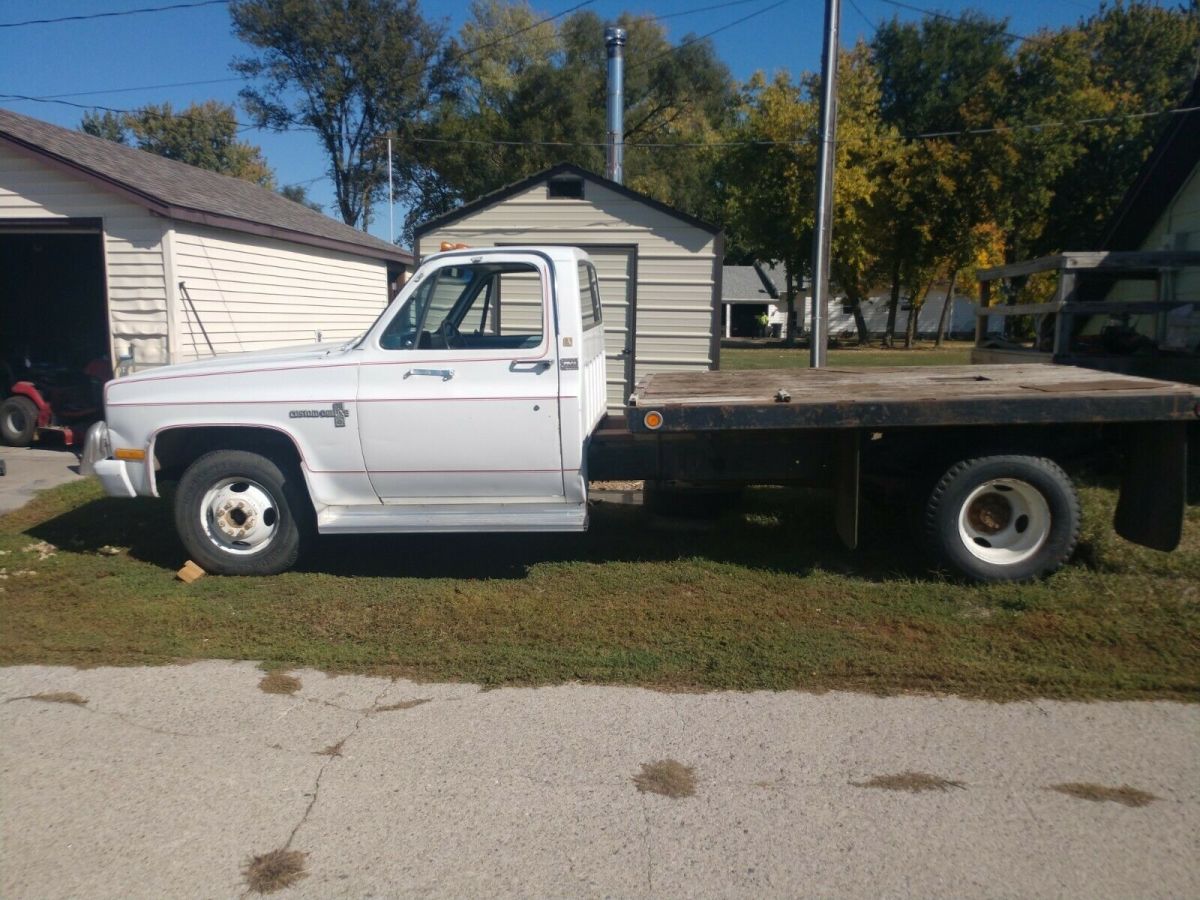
(890, 397)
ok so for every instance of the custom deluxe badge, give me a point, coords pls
(338, 413)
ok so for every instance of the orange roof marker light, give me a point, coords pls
(653, 420)
(450, 245)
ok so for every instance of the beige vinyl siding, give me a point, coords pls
(256, 293)
(674, 263)
(137, 291)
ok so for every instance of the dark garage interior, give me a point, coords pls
(53, 313)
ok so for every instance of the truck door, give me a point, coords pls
(458, 391)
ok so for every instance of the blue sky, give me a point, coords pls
(88, 61)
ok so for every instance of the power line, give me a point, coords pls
(142, 87)
(959, 19)
(114, 13)
(697, 39)
(930, 135)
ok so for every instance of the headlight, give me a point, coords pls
(96, 446)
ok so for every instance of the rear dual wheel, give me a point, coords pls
(1003, 518)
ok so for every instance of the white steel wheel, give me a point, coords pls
(242, 513)
(1004, 521)
(239, 516)
(1002, 518)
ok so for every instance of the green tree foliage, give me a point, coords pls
(352, 71)
(533, 95)
(1127, 59)
(203, 135)
(937, 76)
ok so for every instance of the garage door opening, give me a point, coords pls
(53, 321)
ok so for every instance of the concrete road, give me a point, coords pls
(33, 469)
(169, 780)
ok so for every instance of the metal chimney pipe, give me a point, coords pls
(614, 140)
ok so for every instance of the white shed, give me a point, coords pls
(106, 250)
(659, 268)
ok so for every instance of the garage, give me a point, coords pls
(659, 269)
(114, 260)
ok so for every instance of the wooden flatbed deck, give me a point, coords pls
(905, 397)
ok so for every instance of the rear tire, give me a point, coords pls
(239, 513)
(1003, 518)
(18, 421)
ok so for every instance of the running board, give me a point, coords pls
(452, 518)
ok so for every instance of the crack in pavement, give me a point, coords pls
(316, 789)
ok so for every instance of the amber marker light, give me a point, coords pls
(653, 420)
(130, 454)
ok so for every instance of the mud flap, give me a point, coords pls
(846, 485)
(1154, 485)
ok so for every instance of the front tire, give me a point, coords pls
(18, 421)
(1003, 518)
(238, 513)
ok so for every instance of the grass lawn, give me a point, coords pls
(764, 598)
(773, 356)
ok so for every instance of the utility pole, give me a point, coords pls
(826, 157)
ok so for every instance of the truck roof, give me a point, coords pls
(557, 252)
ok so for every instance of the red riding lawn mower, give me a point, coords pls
(41, 398)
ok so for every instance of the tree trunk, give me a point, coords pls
(789, 334)
(945, 316)
(860, 321)
(914, 313)
(889, 335)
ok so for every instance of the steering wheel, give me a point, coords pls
(452, 338)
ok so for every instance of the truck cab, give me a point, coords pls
(467, 406)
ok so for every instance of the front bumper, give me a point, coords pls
(114, 476)
(118, 477)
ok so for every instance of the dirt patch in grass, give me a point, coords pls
(1098, 793)
(54, 697)
(403, 704)
(274, 871)
(667, 777)
(332, 749)
(913, 782)
(279, 683)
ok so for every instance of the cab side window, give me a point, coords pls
(497, 306)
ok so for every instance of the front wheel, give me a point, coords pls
(237, 513)
(1003, 518)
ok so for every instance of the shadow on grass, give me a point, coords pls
(774, 529)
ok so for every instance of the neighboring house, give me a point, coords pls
(108, 250)
(659, 269)
(746, 293)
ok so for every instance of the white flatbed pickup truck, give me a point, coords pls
(476, 402)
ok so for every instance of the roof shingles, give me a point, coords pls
(180, 191)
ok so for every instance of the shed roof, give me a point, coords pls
(176, 190)
(559, 170)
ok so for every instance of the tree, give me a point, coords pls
(202, 135)
(534, 95)
(769, 180)
(937, 76)
(352, 71)
(298, 193)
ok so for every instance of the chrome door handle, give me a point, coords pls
(537, 366)
(444, 374)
